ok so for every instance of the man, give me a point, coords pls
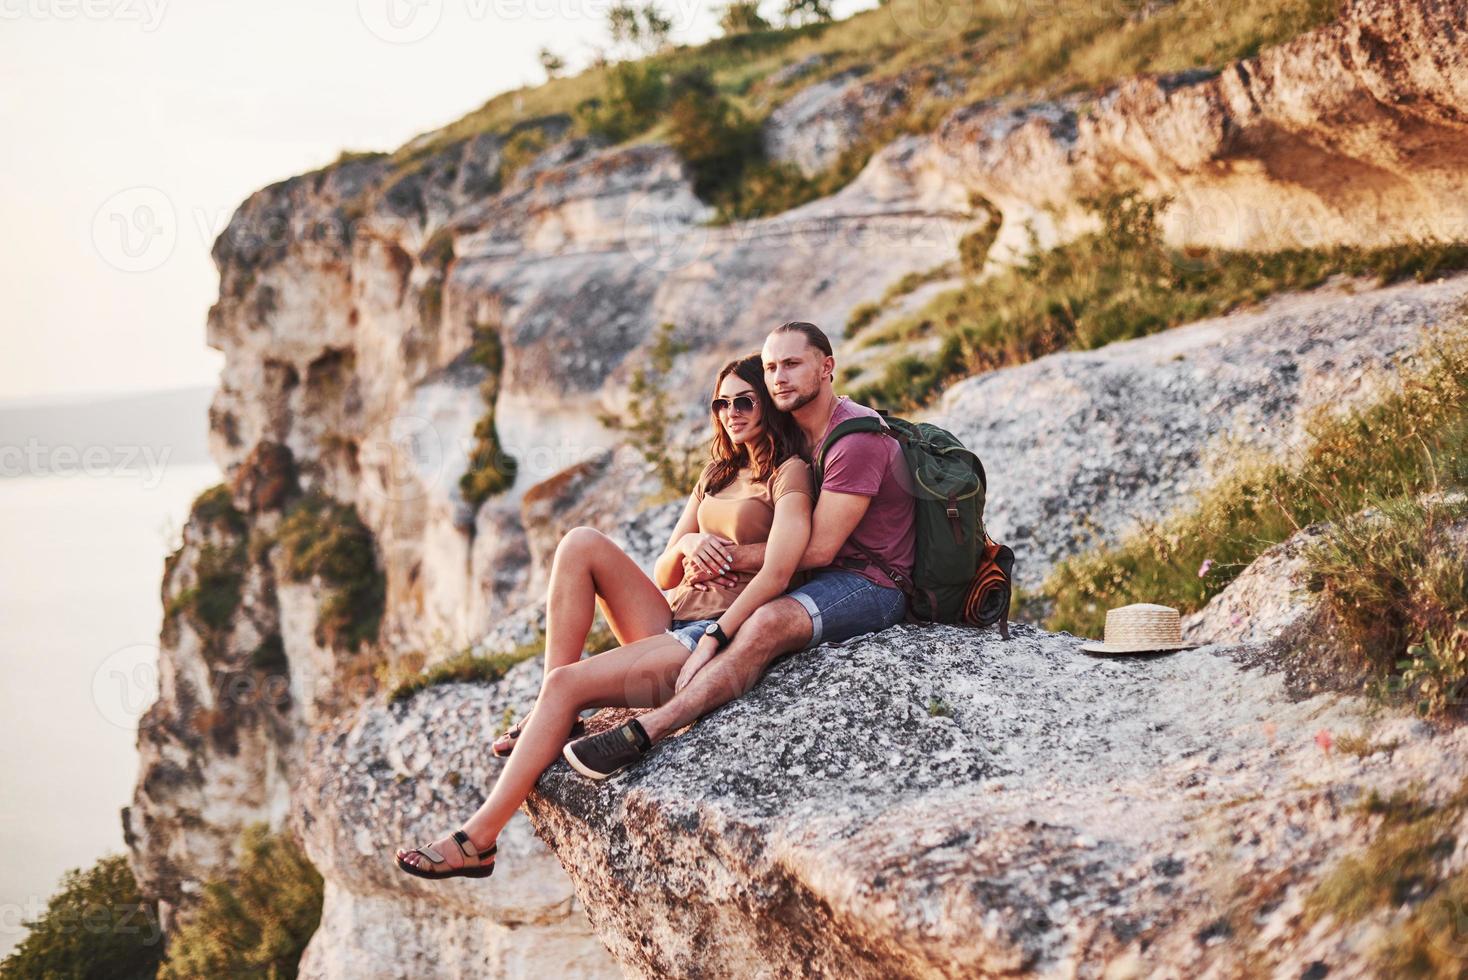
(864, 510)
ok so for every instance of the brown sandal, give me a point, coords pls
(501, 747)
(478, 869)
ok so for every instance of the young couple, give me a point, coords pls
(751, 530)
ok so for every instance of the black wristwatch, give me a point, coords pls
(717, 632)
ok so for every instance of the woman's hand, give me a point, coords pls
(701, 655)
(704, 581)
(708, 553)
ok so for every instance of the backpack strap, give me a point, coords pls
(863, 423)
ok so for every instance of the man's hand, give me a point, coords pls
(707, 648)
(701, 578)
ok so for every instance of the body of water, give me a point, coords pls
(80, 572)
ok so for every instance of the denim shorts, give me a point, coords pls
(689, 631)
(844, 604)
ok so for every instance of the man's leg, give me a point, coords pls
(779, 626)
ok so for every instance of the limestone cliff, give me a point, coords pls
(355, 304)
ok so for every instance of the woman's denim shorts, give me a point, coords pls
(689, 631)
(841, 605)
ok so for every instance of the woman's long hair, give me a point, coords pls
(779, 439)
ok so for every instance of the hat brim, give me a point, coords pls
(1135, 648)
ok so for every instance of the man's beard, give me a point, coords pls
(801, 400)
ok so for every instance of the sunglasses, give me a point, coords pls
(743, 404)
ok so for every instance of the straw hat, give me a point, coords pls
(1141, 628)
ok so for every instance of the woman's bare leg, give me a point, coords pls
(589, 569)
(639, 675)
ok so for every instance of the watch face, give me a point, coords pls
(710, 629)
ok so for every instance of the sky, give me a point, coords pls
(132, 129)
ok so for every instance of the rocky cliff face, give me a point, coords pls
(351, 303)
(399, 775)
(1348, 135)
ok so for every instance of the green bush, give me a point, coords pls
(741, 17)
(98, 926)
(519, 150)
(798, 12)
(256, 922)
(321, 536)
(635, 96)
(973, 248)
(862, 317)
(1395, 586)
(710, 134)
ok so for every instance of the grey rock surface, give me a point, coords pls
(933, 801)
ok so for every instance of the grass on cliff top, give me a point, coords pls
(950, 52)
(464, 667)
(1395, 592)
(1114, 284)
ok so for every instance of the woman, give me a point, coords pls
(755, 487)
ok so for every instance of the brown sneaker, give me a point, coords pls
(598, 756)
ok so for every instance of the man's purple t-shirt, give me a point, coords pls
(871, 464)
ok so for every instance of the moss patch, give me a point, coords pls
(322, 537)
(209, 604)
(463, 668)
(491, 470)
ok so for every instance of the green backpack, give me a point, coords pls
(960, 575)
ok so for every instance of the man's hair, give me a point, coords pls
(813, 334)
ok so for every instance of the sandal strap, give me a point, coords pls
(427, 851)
(467, 846)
